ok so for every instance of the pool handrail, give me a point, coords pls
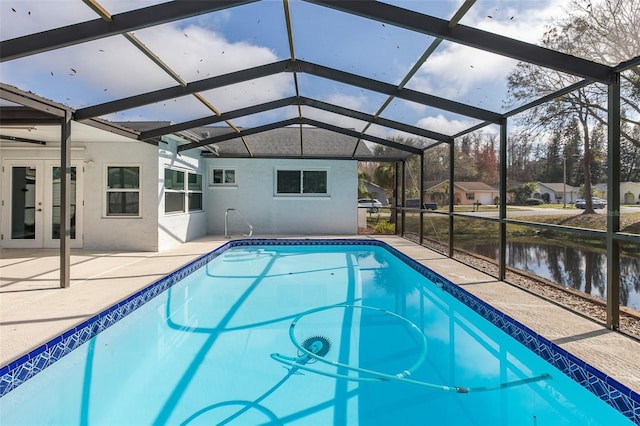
(226, 223)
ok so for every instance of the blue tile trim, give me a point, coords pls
(606, 388)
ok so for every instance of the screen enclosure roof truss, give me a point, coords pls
(241, 112)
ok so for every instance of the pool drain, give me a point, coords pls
(318, 345)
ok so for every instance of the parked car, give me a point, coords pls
(534, 202)
(414, 203)
(598, 203)
(371, 204)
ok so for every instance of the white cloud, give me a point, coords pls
(357, 103)
(22, 17)
(459, 70)
(455, 71)
(195, 52)
(111, 68)
(444, 125)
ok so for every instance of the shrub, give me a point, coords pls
(384, 227)
(534, 202)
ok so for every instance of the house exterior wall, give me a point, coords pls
(254, 197)
(549, 195)
(484, 198)
(629, 192)
(572, 196)
(122, 233)
(177, 228)
(97, 230)
(440, 194)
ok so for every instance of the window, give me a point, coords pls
(223, 177)
(182, 189)
(194, 191)
(173, 191)
(301, 182)
(471, 196)
(123, 191)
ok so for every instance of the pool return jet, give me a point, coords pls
(315, 348)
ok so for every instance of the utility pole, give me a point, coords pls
(564, 182)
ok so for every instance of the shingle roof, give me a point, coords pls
(467, 186)
(558, 187)
(288, 142)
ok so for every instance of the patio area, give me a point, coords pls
(33, 309)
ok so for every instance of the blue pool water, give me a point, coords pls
(306, 335)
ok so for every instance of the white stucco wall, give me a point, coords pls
(177, 228)
(121, 233)
(99, 231)
(254, 197)
(629, 192)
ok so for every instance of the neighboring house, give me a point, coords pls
(131, 195)
(377, 192)
(465, 193)
(554, 193)
(629, 192)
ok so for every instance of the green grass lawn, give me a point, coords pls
(470, 228)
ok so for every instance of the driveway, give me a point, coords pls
(523, 211)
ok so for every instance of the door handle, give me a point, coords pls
(38, 210)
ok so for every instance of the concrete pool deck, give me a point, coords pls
(33, 309)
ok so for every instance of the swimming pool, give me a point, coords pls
(309, 332)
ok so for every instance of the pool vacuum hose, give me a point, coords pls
(313, 349)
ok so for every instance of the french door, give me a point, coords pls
(31, 203)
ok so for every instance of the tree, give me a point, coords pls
(412, 177)
(485, 158)
(465, 169)
(521, 192)
(520, 151)
(606, 33)
(436, 163)
(529, 82)
(362, 189)
(630, 158)
(572, 154)
(553, 167)
(384, 176)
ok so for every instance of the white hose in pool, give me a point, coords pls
(301, 362)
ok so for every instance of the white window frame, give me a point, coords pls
(180, 191)
(194, 191)
(224, 174)
(300, 193)
(185, 191)
(108, 190)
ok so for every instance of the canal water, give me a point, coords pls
(578, 269)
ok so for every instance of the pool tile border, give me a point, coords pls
(606, 388)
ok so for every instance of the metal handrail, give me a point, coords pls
(226, 223)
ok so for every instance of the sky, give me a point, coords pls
(254, 34)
